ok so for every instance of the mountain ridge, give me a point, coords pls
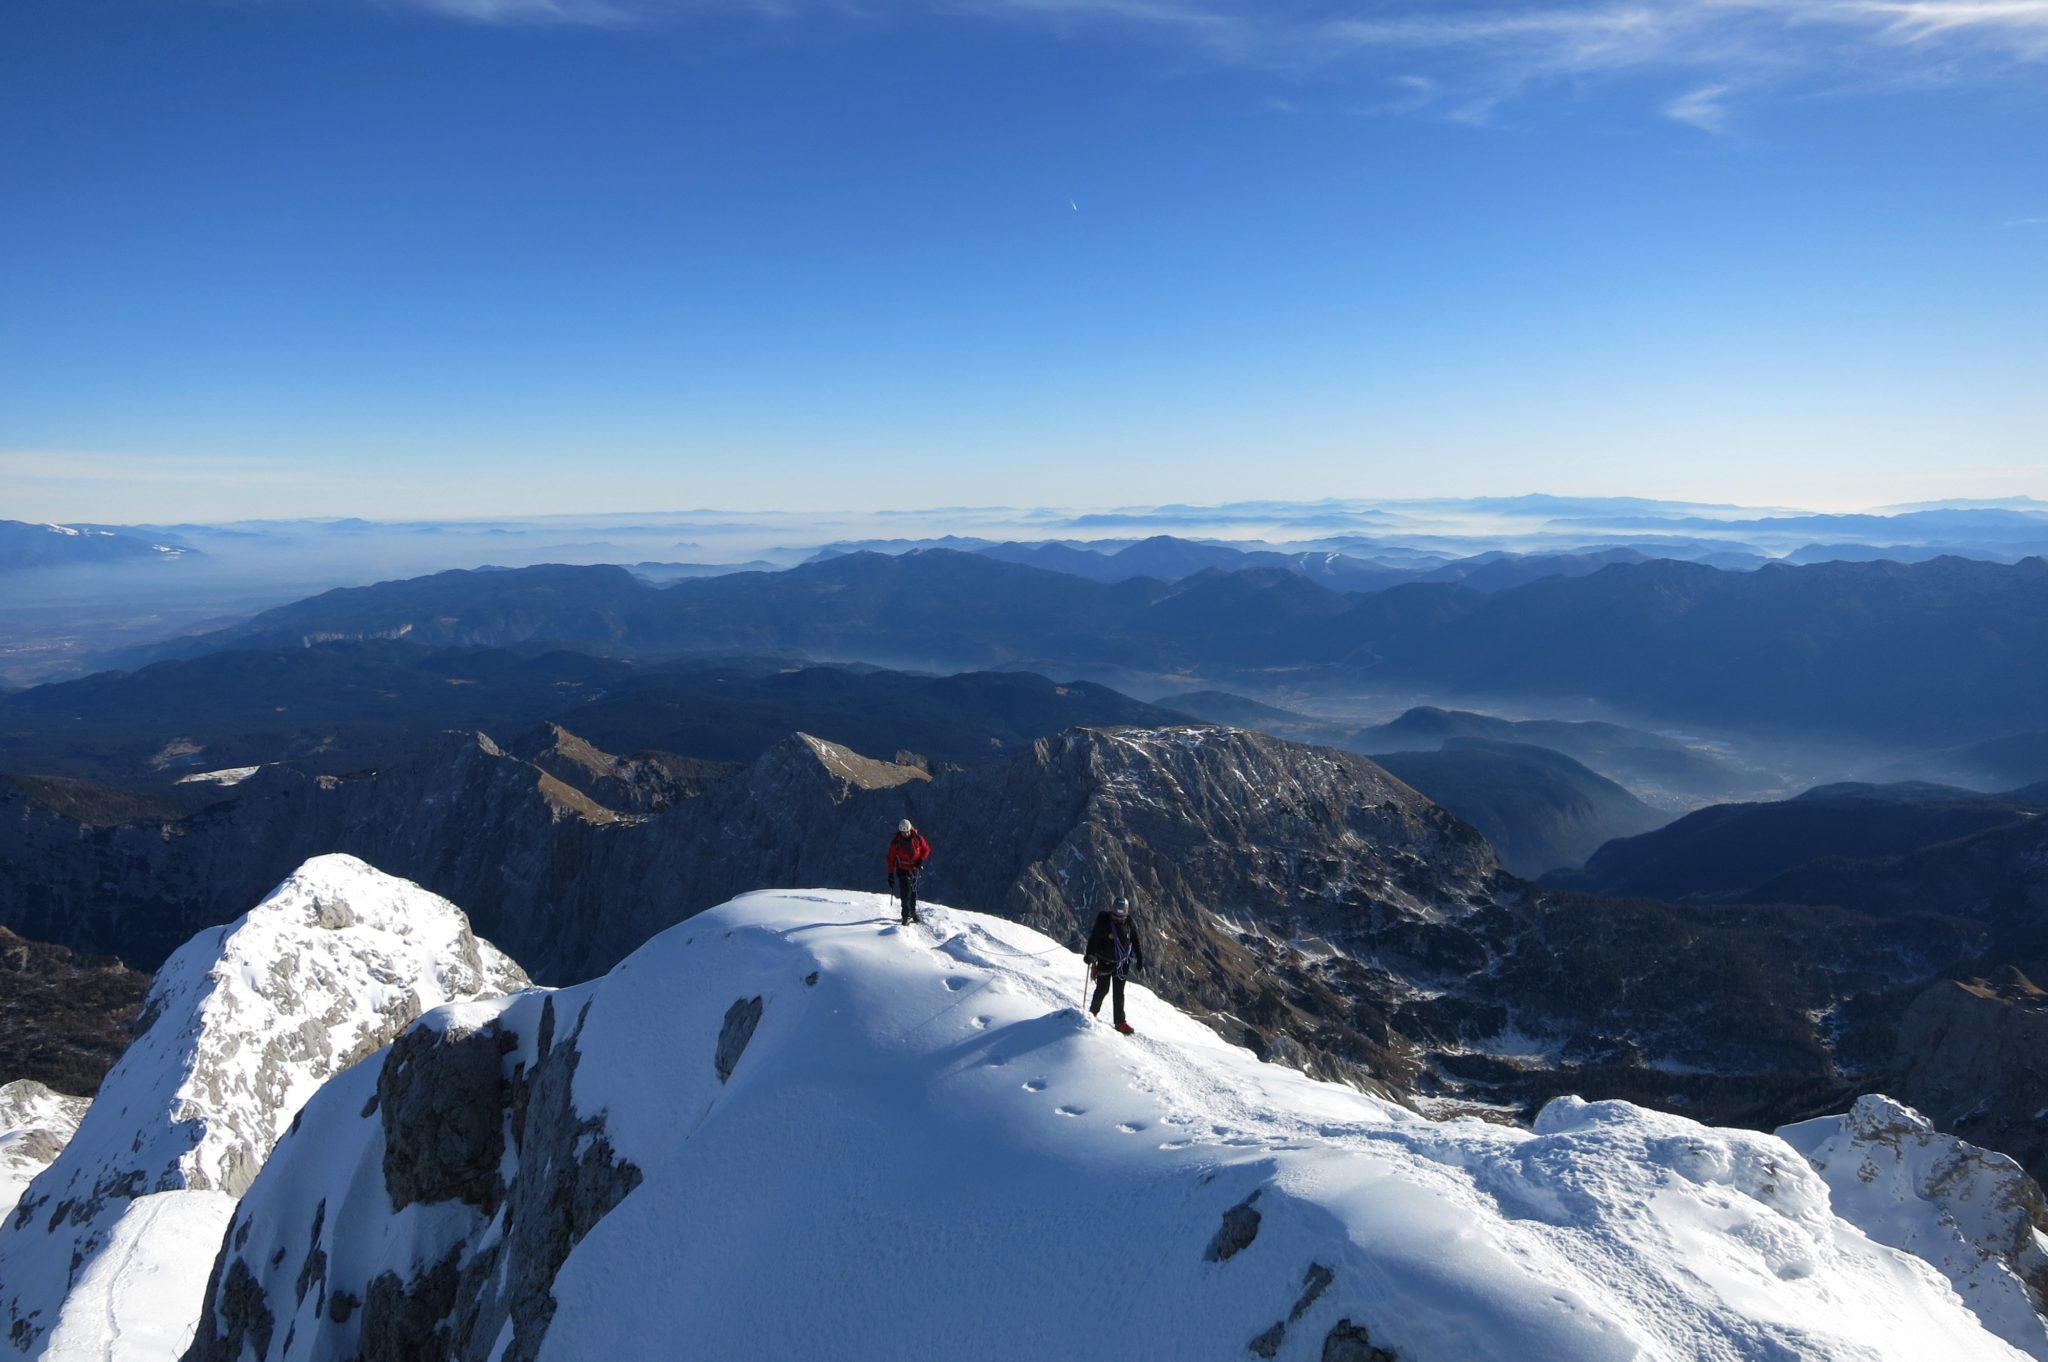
(743, 1087)
(1846, 647)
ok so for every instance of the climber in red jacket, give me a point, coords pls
(908, 851)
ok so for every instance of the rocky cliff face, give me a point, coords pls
(1973, 1055)
(240, 1028)
(463, 816)
(473, 1122)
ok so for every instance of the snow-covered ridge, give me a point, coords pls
(240, 1027)
(787, 1128)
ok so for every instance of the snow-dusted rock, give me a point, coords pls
(1972, 1213)
(35, 1125)
(241, 1026)
(788, 1128)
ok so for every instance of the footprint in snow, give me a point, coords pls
(956, 983)
(1176, 1144)
(1071, 1111)
(1130, 1127)
(1034, 1085)
(981, 1023)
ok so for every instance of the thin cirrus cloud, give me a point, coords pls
(1470, 58)
(1705, 108)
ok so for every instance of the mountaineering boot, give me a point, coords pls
(1126, 1028)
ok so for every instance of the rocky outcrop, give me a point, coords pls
(1973, 1214)
(475, 1123)
(240, 1028)
(1973, 1055)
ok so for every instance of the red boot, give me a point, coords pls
(1125, 1027)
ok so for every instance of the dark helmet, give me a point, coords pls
(1123, 908)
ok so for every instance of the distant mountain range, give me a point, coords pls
(1170, 559)
(1945, 650)
(24, 545)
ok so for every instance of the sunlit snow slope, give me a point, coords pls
(789, 1129)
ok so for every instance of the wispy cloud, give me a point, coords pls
(1705, 108)
(1473, 55)
(2020, 24)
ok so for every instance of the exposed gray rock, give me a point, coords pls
(442, 1097)
(410, 1321)
(740, 1020)
(474, 1125)
(244, 1318)
(1349, 1342)
(1314, 1283)
(1240, 1227)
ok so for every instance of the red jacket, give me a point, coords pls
(908, 851)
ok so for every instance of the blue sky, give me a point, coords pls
(451, 257)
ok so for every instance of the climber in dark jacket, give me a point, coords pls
(1113, 954)
(908, 851)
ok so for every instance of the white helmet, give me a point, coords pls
(904, 826)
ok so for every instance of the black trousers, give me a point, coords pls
(1102, 984)
(906, 891)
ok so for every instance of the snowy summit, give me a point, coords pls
(106, 1255)
(790, 1128)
